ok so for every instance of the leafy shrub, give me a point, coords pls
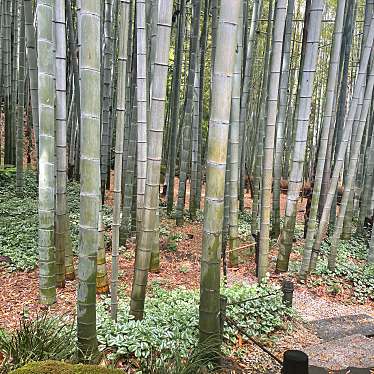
(170, 323)
(260, 316)
(57, 367)
(361, 276)
(35, 340)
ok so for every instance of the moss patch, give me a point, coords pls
(57, 367)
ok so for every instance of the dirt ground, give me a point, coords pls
(20, 289)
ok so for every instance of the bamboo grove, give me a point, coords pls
(199, 104)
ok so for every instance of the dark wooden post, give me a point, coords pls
(287, 288)
(295, 362)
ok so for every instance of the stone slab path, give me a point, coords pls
(347, 332)
(339, 327)
(350, 370)
(355, 350)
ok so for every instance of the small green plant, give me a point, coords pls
(334, 289)
(173, 240)
(37, 339)
(172, 246)
(177, 237)
(244, 226)
(164, 231)
(184, 269)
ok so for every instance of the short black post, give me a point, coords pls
(295, 362)
(222, 314)
(287, 288)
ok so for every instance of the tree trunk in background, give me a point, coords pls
(154, 152)
(324, 137)
(6, 71)
(281, 119)
(201, 152)
(188, 118)
(258, 150)
(12, 124)
(106, 99)
(244, 99)
(368, 182)
(195, 184)
(62, 232)
(302, 119)
(107, 76)
(176, 82)
(21, 100)
(353, 160)
(343, 144)
(90, 196)
(121, 108)
(271, 116)
(341, 100)
(233, 159)
(209, 310)
(33, 69)
(130, 138)
(141, 82)
(46, 84)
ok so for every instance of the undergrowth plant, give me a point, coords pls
(244, 225)
(349, 268)
(171, 317)
(43, 338)
(19, 221)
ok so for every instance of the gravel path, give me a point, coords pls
(312, 307)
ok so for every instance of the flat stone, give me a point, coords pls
(338, 327)
(350, 370)
(351, 351)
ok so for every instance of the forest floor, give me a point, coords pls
(180, 250)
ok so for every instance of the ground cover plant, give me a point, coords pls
(39, 339)
(350, 270)
(19, 220)
(171, 321)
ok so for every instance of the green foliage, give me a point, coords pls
(197, 362)
(348, 268)
(299, 231)
(171, 322)
(56, 367)
(172, 239)
(260, 316)
(184, 269)
(40, 339)
(244, 226)
(164, 230)
(6, 174)
(19, 220)
(186, 215)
